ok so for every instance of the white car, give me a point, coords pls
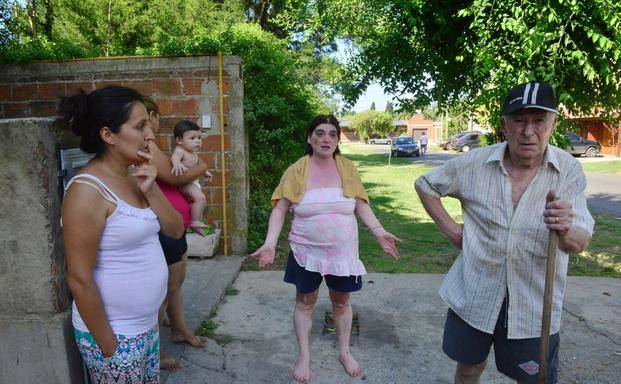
(380, 140)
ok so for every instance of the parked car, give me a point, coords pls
(380, 140)
(448, 143)
(445, 143)
(404, 146)
(468, 141)
(579, 146)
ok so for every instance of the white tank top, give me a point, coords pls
(131, 272)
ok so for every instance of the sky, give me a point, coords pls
(374, 92)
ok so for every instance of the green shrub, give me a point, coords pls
(370, 123)
(40, 48)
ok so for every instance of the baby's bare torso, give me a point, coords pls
(188, 159)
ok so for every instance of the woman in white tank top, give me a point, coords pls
(111, 215)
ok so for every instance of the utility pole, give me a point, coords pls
(446, 122)
(109, 27)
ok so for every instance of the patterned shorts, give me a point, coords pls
(136, 360)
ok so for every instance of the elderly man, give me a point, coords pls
(511, 195)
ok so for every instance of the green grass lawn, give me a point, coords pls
(608, 167)
(424, 249)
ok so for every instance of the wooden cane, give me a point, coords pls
(547, 307)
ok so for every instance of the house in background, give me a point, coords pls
(348, 134)
(413, 127)
(400, 128)
(607, 134)
(419, 123)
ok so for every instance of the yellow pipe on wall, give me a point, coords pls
(222, 157)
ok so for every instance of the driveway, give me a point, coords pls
(398, 336)
(434, 159)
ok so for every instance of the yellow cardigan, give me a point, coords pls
(293, 182)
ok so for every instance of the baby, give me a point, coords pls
(188, 139)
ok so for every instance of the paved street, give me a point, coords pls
(604, 193)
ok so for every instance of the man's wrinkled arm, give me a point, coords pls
(575, 240)
(446, 224)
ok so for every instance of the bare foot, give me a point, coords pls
(351, 366)
(188, 337)
(301, 371)
(168, 363)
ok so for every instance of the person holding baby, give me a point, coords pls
(175, 248)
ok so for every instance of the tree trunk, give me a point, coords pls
(49, 19)
(615, 137)
(31, 11)
(109, 27)
(262, 16)
(618, 150)
(446, 118)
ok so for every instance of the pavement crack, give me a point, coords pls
(209, 368)
(589, 327)
(224, 357)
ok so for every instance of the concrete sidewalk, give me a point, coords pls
(401, 319)
(205, 285)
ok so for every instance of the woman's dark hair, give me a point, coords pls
(317, 121)
(184, 126)
(87, 114)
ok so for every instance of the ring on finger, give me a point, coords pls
(556, 219)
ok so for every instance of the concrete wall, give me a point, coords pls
(36, 343)
(183, 87)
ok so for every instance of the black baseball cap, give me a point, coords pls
(530, 95)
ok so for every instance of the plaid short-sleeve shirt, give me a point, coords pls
(504, 249)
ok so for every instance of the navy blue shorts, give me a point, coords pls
(515, 358)
(308, 281)
(174, 249)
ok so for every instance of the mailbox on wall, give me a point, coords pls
(71, 157)
(71, 160)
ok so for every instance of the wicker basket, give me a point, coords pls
(202, 247)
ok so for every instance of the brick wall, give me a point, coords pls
(417, 124)
(183, 87)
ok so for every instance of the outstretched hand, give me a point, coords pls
(265, 255)
(387, 241)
